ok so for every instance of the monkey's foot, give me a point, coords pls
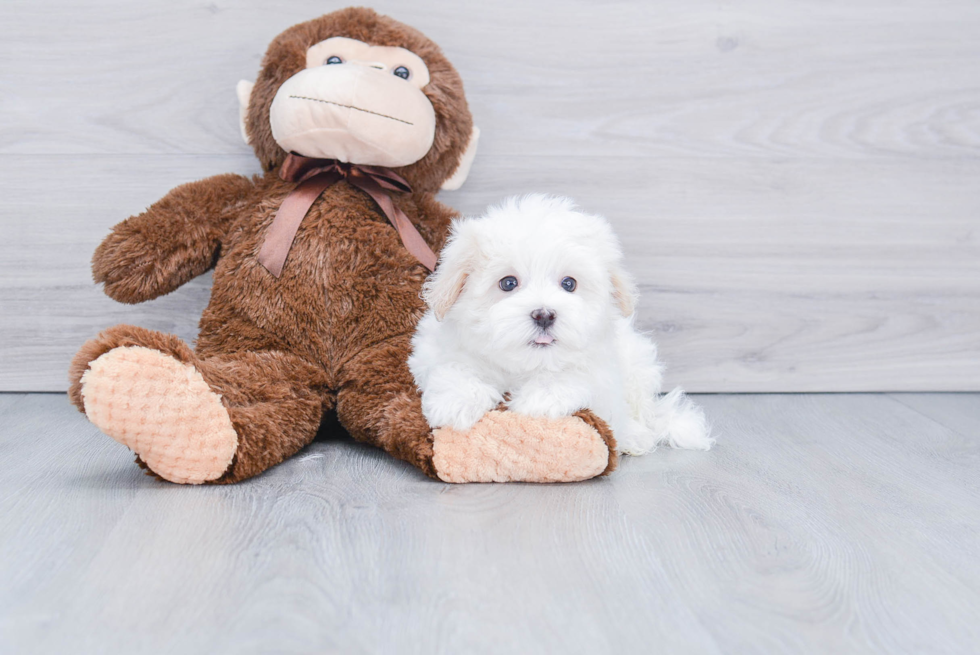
(509, 447)
(162, 410)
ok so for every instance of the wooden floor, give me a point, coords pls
(820, 523)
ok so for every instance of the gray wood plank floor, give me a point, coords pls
(795, 181)
(820, 524)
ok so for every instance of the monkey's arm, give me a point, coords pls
(172, 242)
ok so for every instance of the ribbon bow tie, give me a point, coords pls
(313, 176)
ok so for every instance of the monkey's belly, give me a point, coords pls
(342, 288)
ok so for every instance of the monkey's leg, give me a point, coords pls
(378, 403)
(192, 420)
(509, 447)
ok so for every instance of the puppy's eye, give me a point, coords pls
(333, 60)
(508, 283)
(401, 72)
(568, 284)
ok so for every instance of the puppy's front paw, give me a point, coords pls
(458, 416)
(546, 403)
(460, 408)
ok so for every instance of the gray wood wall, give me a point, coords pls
(797, 183)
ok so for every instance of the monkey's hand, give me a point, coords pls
(172, 242)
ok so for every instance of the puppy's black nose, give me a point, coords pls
(543, 318)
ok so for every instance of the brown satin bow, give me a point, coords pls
(313, 177)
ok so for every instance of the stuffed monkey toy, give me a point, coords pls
(358, 121)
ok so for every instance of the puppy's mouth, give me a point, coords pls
(543, 340)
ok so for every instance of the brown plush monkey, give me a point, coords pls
(358, 121)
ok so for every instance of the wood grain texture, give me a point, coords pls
(957, 411)
(795, 183)
(821, 523)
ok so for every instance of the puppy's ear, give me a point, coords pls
(456, 262)
(624, 291)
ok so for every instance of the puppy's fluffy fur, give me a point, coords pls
(479, 344)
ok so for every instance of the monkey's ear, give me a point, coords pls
(244, 91)
(624, 291)
(465, 162)
(456, 262)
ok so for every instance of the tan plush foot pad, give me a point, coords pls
(163, 410)
(509, 447)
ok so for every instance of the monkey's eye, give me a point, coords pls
(508, 283)
(334, 60)
(401, 72)
(568, 284)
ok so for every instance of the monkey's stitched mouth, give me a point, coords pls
(366, 111)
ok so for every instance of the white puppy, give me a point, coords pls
(531, 301)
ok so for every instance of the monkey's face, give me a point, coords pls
(357, 103)
(365, 89)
